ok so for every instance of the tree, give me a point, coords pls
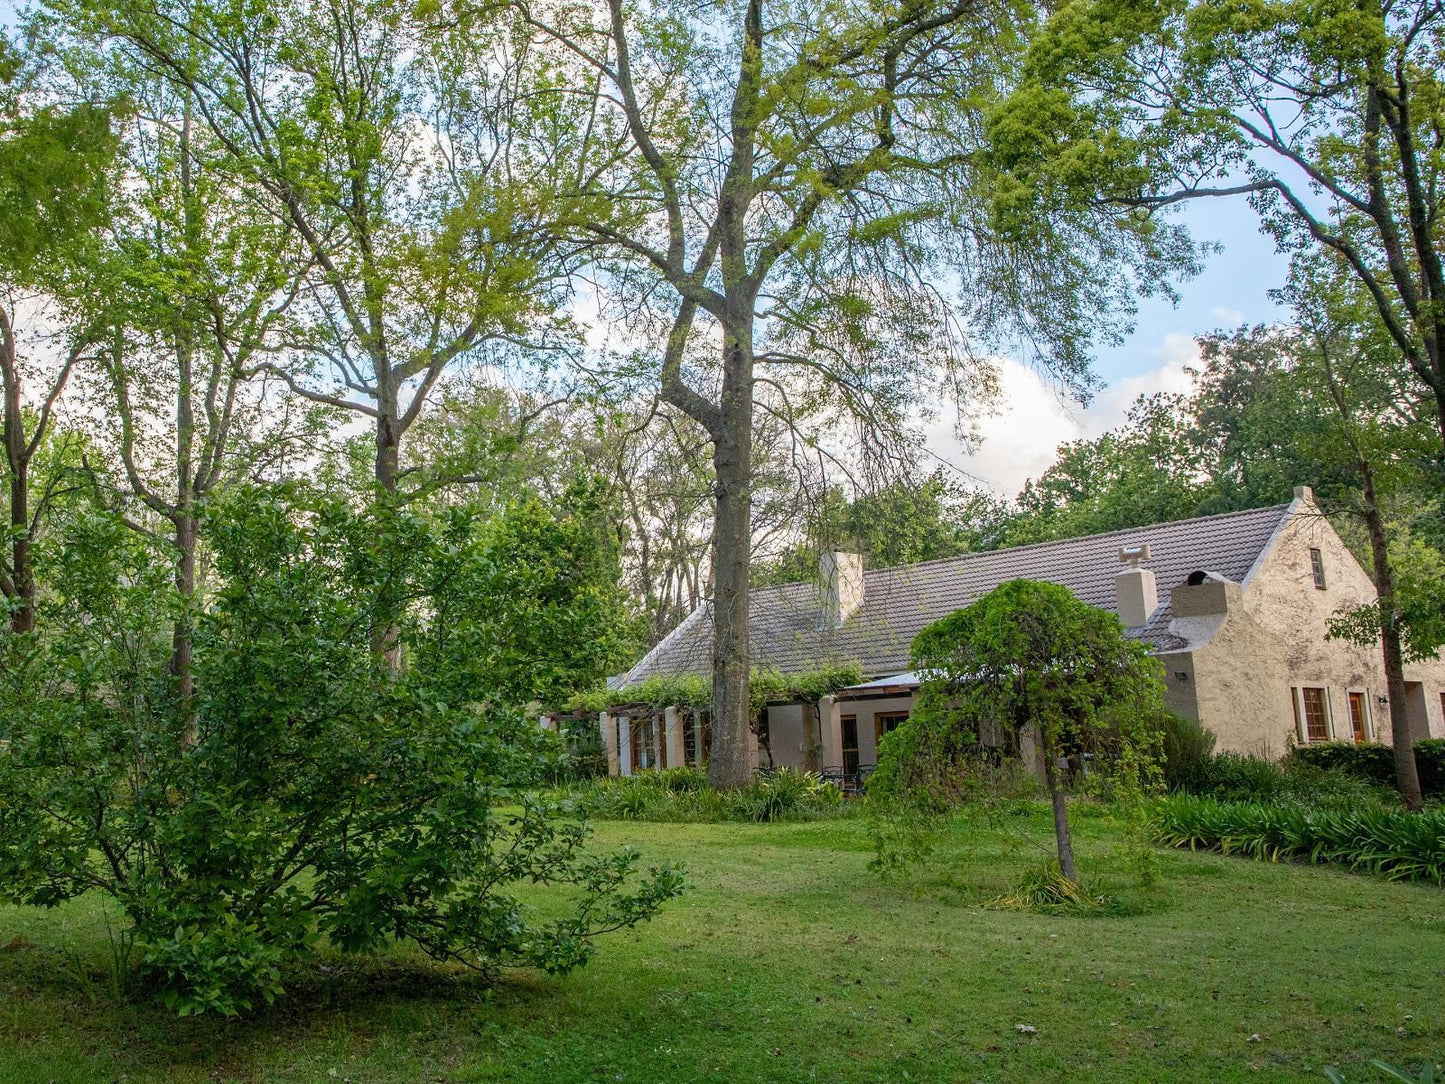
(199, 282)
(414, 180)
(320, 802)
(1145, 471)
(56, 162)
(525, 607)
(901, 523)
(1031, 656)
(779, 189)
(1374, 429)
(1325, 115)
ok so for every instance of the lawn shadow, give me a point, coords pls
(362, 998)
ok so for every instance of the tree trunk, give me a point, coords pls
(1407, 777)
(730, 765)
(386, 638)
(182, 644)
(22, 571)
(22, 619)
(1061, 812)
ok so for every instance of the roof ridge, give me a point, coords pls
(1280, 508)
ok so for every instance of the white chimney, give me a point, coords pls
(1138, 594)
(841, 586)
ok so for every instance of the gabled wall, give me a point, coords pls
(1245, 673)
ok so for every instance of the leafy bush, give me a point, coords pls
(303, 793)
(1371, 761)
(1236, 776)
(1430, 762)
(1187, 744)
(1391, 843)
(1375, 763)
(682, 794)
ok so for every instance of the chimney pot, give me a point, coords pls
(1135, 587)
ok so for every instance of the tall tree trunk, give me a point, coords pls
(731, 765)
(1407, 777)
(386, 636)
(22, 571)
(1061, 811)
(22, 619)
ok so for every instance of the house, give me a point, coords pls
(1234, 606)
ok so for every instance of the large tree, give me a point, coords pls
(1326, 115)
(413, 176)
(56, 157)
(780, 188)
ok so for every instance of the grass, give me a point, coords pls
(790, 962)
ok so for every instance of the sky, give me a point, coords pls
(1020, 438)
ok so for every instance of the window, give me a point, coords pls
(850, 743)
(886, 722)
(1316, 714)
(1358, 719)
(1317, 566)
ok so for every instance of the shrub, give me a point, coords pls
(1371, 761)
(1375, 763)
(1388, 842)
(1187, 743)
(1237, 776)
(1430, 762)
(302, 794)
(682, 794)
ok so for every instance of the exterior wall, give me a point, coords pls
(1252, 677)
(865, 711)
(787, 736)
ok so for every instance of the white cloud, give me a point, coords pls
(1227, 316)
(1020, 439)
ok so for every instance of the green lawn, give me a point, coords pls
(789, 961)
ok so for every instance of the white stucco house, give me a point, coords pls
(1235, 606)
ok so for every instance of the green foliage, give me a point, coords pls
(1144, 471)
(682, 795)
(1374, 763)
(1026, 653)
(1045, 890)
(1187, 743)
(1387, 842)
(304, 796)
(694, 691)
(899, 524)
(525, 605)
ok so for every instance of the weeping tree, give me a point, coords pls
(777, 190)
(1030, 659)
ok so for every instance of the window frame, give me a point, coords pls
(1302, 713)
(1367, 728)
(844, 721)
(1317, 568)
(897, 718)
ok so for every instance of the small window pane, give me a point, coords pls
(1317, 725)
(1317, 566)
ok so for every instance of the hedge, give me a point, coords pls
(1375, 762)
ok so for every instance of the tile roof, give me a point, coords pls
(785, 622)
